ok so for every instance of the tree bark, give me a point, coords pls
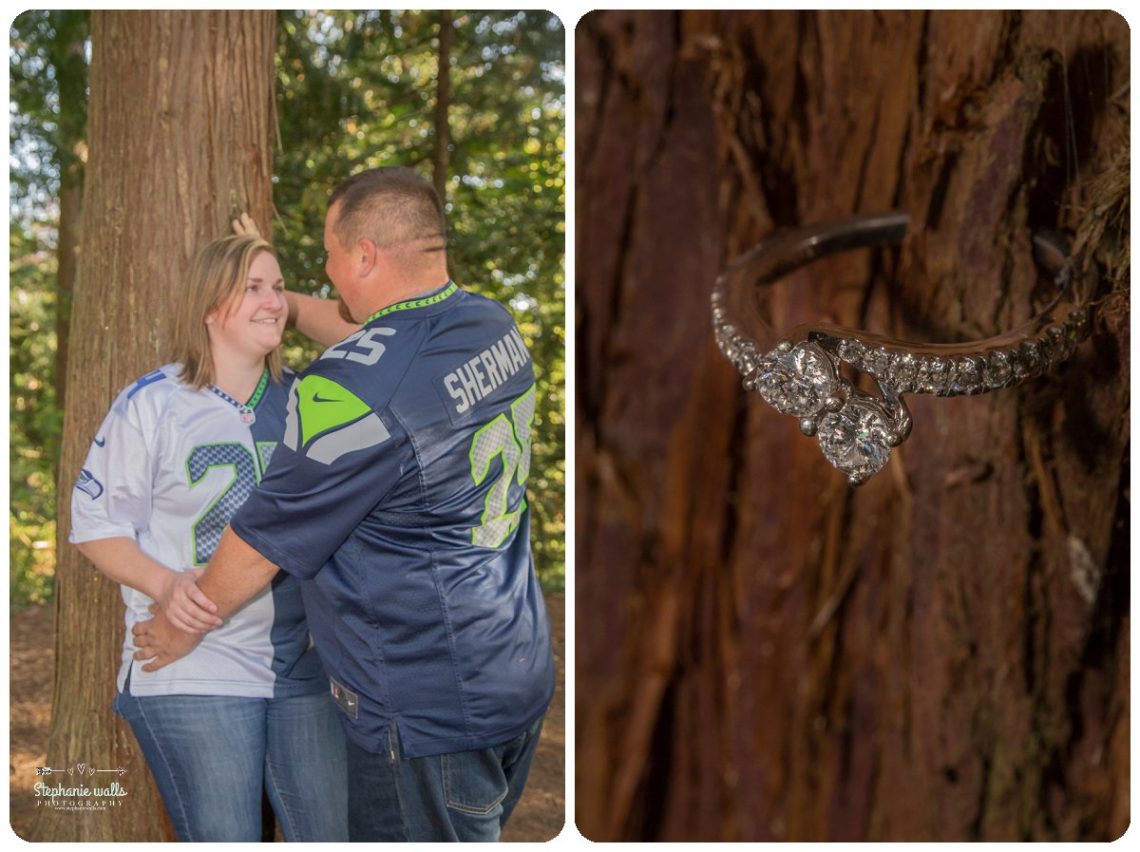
(180, 133)
(67, 254)
(441, 154)
(941, 654)
(71, 81)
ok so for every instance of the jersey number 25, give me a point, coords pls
(510, 440)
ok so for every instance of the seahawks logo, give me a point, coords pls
(89, 485)
(326, 420)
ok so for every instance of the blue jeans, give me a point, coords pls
(212, 756)
(466, 795)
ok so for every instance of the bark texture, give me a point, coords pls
(441, 146)
(765, 653)
(70, 217)
(180, 132)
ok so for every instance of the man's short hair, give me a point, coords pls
(392, 206)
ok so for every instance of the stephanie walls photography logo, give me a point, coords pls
(79, 788)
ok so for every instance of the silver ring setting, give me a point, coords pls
(801, 375)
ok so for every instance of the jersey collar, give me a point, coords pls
(448, 289)
(259, 391)
(245, 409)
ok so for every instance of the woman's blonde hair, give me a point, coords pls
(216, 280)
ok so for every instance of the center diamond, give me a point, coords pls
(855, 439)
(796, 381)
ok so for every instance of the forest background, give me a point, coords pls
(355, 89)
(191, 116)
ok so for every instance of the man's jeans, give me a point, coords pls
(212, 755)
(467, 795)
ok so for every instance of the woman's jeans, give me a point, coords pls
(212, 756)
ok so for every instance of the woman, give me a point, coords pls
(179, 451)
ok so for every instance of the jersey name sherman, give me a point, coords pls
(477, 379)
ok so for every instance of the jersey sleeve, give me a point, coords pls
(112, 496)
(343, 451)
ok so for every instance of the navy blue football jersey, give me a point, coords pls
(398, 494)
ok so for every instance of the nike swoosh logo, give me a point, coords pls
(318, 398)
(100, 443)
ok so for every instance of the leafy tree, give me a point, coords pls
(35, 419)
(48, 111)
(48, 74)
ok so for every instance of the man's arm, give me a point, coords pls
(235, 574)
(319, 319)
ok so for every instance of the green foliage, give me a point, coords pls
(47, 68)
(35, 421)
(48, 74)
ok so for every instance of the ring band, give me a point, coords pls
(800, 376)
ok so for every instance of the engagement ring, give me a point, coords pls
(801, 375)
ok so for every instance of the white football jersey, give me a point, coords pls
(168, 468)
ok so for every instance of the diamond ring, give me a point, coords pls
(802, 374)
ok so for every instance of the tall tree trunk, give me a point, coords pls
(71, 81)
(67, 252)
(180, 131)
(942, 653)
(441, 155)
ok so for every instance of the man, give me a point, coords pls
(398, 495)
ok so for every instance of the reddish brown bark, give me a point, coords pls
(70, 211)
(766, 653)
(180, 131)
(70, 69)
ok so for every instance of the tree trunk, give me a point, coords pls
(941, 654)
(180, 132)
(67, 253)
(71, 81)
(441, 154)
